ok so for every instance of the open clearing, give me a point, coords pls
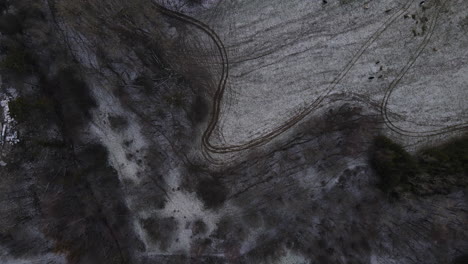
(282, 64)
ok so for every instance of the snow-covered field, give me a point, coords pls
(284, 60)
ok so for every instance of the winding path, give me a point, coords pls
(217, 100)
(401, 75)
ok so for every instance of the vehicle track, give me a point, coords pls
(391, 88)
(224, 75)
(217, 100)
(218, 96)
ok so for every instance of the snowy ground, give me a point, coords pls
(311, 194)
(8, 134)
(295, 53)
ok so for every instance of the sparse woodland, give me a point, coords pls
(109, 103)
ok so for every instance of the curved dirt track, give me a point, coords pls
(217, 100)
(224, 70)
(401, 75)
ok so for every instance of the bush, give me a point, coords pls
(4, 4)
(93, 160)
(450, 158)
(70, 81)
(117, 123)
(199, 110)
(50, 143)
(160, 230)
(177, 99)
(74, 96)
(392, 163)
(431, 170)
(212, 192)
(10, 24)
(199, 227)
(21, 109)
(461, 260)
(146, 82)
(15, 60)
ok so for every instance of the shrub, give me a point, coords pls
(74, 96)
(78, 90)
(160, 230)
(212, 192)
(10, 24)
(21, 108)
(15, 60)
(145, 81)
(199, 110)
(432, 170)
(44, 104)
(392, 163)
(4, 4)
(461, 260)
(177, 99)
(50, 143)
(449, 158)
(117, 123)
(199, 227)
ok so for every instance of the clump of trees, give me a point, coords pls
(15, 60)
(392, 163)
(160, 230)
(176, 99)
(449, 158)
(199, 110)
(10, 24)
(461, 260)
(199, 227)
(212, 192)
(431, 170)
(21, 108)
(117, 122)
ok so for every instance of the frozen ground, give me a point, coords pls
(133, 162)
(9, 135)
(408, 56)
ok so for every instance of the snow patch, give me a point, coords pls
(9, 135)
(47, 258)
(292, 258)
(185, 208)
